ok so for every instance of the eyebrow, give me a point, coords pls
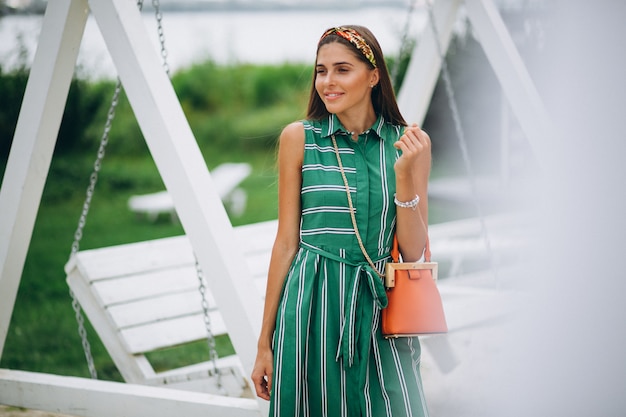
(336, 64)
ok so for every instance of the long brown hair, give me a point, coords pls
(383, 96)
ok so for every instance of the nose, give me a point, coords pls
(329, 78)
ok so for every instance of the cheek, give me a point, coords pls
(356, 83)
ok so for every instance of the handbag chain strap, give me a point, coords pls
(352, 216)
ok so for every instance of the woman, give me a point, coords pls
(320, 351)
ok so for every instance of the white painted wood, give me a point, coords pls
(183, 170)
(170, 332)
(157, 308)
(127, 346)
(129, 288)
(133, 368)
(231, 361)
(203, 378)
(33, 143)
(142, 297)
(512, 74)
(151, 205)
(226, 176)
(415, 95)
(110, 262)
(423, 71)
(89, 398)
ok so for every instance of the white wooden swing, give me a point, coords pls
(149, 296)
(202, 215)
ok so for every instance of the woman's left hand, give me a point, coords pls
(415, 146)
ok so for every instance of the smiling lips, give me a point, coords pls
(332, 96)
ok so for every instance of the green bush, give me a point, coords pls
(241, 107)
(12, 86)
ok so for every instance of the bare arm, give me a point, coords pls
(412, 173)
(290, 157)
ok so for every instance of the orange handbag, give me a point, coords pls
(415, 307)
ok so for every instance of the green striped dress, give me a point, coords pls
(329, 356)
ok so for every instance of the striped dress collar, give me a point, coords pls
(332, 125)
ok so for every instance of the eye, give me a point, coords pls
(320, 70)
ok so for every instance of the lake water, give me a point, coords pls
(224, 36)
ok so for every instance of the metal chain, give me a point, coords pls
(93, 179)
(404, 41)
(78, 234)
(159, 20)
(445, 74)
(82, 332)
(202, 287)
(207, 324)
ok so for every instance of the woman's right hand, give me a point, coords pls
(263, 372)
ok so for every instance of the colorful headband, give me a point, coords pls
(355, 39)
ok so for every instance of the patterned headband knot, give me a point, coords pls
(355, 39)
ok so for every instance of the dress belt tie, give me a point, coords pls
(357, 335)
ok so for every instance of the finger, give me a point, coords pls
(409, 143)
(418, 135)
(261, 389)
(416, 129)
(259, 383)
(401, 145)
(420, 141)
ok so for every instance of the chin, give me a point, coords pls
(334, 109)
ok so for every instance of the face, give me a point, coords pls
(343, 81)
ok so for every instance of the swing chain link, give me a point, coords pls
(78, 234)
(82, 332)
(200, 274)
(97, 165)
(456, 118)
(159, 19)
(404, 42)
(207, 324)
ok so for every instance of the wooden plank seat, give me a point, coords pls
(226, 176)
(144, 297)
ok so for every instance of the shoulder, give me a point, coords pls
(291, 141)
(293, 132)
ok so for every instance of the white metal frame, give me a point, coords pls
(184, 173)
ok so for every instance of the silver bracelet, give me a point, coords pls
(407, 204)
